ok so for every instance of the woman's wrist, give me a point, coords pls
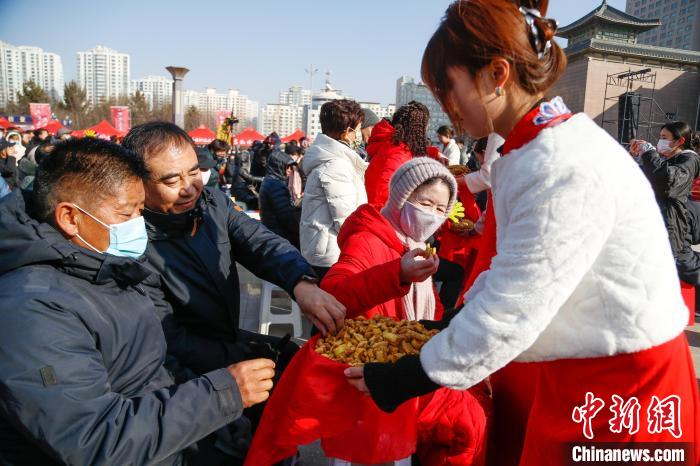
(392, 384)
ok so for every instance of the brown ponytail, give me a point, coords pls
(474, 32)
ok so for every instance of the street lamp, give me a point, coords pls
(178, 73)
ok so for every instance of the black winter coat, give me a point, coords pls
(8, 170)
(82, 352)
(237, 174)
(199, 278)
(671, 180)
(276, 210)
(258, 166)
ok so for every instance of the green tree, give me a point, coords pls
(31, 93)
(74, 104)
(163, 112)
(100, 111)
(139, 108)
(193, 118)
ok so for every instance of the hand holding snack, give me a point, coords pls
(320, 307)
(414, 269)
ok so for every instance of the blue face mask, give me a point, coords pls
(127, 239)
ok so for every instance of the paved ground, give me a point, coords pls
(250, 301)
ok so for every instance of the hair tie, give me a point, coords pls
(532, 18)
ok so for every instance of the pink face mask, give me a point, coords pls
(418, 223)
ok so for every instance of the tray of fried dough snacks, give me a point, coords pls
(378, 339)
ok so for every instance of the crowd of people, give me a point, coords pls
(564, 267)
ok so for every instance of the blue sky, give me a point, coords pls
(257, 46)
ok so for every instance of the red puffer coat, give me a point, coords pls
(384, 158)
(452, 425)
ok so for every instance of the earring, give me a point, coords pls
(500, 91)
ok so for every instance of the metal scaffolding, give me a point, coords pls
(637, 113)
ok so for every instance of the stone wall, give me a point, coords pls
(583, 86)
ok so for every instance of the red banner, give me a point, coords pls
(41, 114)
(221, 115)
(121, 118)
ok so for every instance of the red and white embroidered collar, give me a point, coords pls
(545, 115)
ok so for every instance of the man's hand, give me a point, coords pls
(254, 380)
(416, 270)
(322, 309)
(356, 377)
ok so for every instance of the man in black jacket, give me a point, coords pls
(196, 239)
(82, 353)
(244, 186)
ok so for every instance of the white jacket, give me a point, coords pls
(584, 266)
(481, 180)
(452, 152)
(335, 187)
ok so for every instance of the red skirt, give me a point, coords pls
(688, 293)
(648, 396)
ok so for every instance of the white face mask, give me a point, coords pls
(663, 146)
(205, 177)
(419, 224)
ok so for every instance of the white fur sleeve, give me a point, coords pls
(553, 224)
(481, 180)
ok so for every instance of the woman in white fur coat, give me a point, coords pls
(581, 297)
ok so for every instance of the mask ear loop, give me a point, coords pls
(95, 219)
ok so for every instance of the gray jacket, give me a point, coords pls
(82, 353)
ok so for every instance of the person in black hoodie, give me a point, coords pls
(671, 167)
(263, 153)
(244, 186)
(276, 209)
(83, 377)
(8, 163)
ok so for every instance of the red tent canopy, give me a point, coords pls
(202, 135)
(102, 130)
(247, 136)
(5, 123)
(295, 136)
(53, 126)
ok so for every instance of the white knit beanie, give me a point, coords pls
(410, 176)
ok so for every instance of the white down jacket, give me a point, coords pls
(335, 187)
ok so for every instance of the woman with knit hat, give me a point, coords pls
(384, 269)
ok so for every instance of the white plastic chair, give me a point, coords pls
(337, 462)
(267, 317)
